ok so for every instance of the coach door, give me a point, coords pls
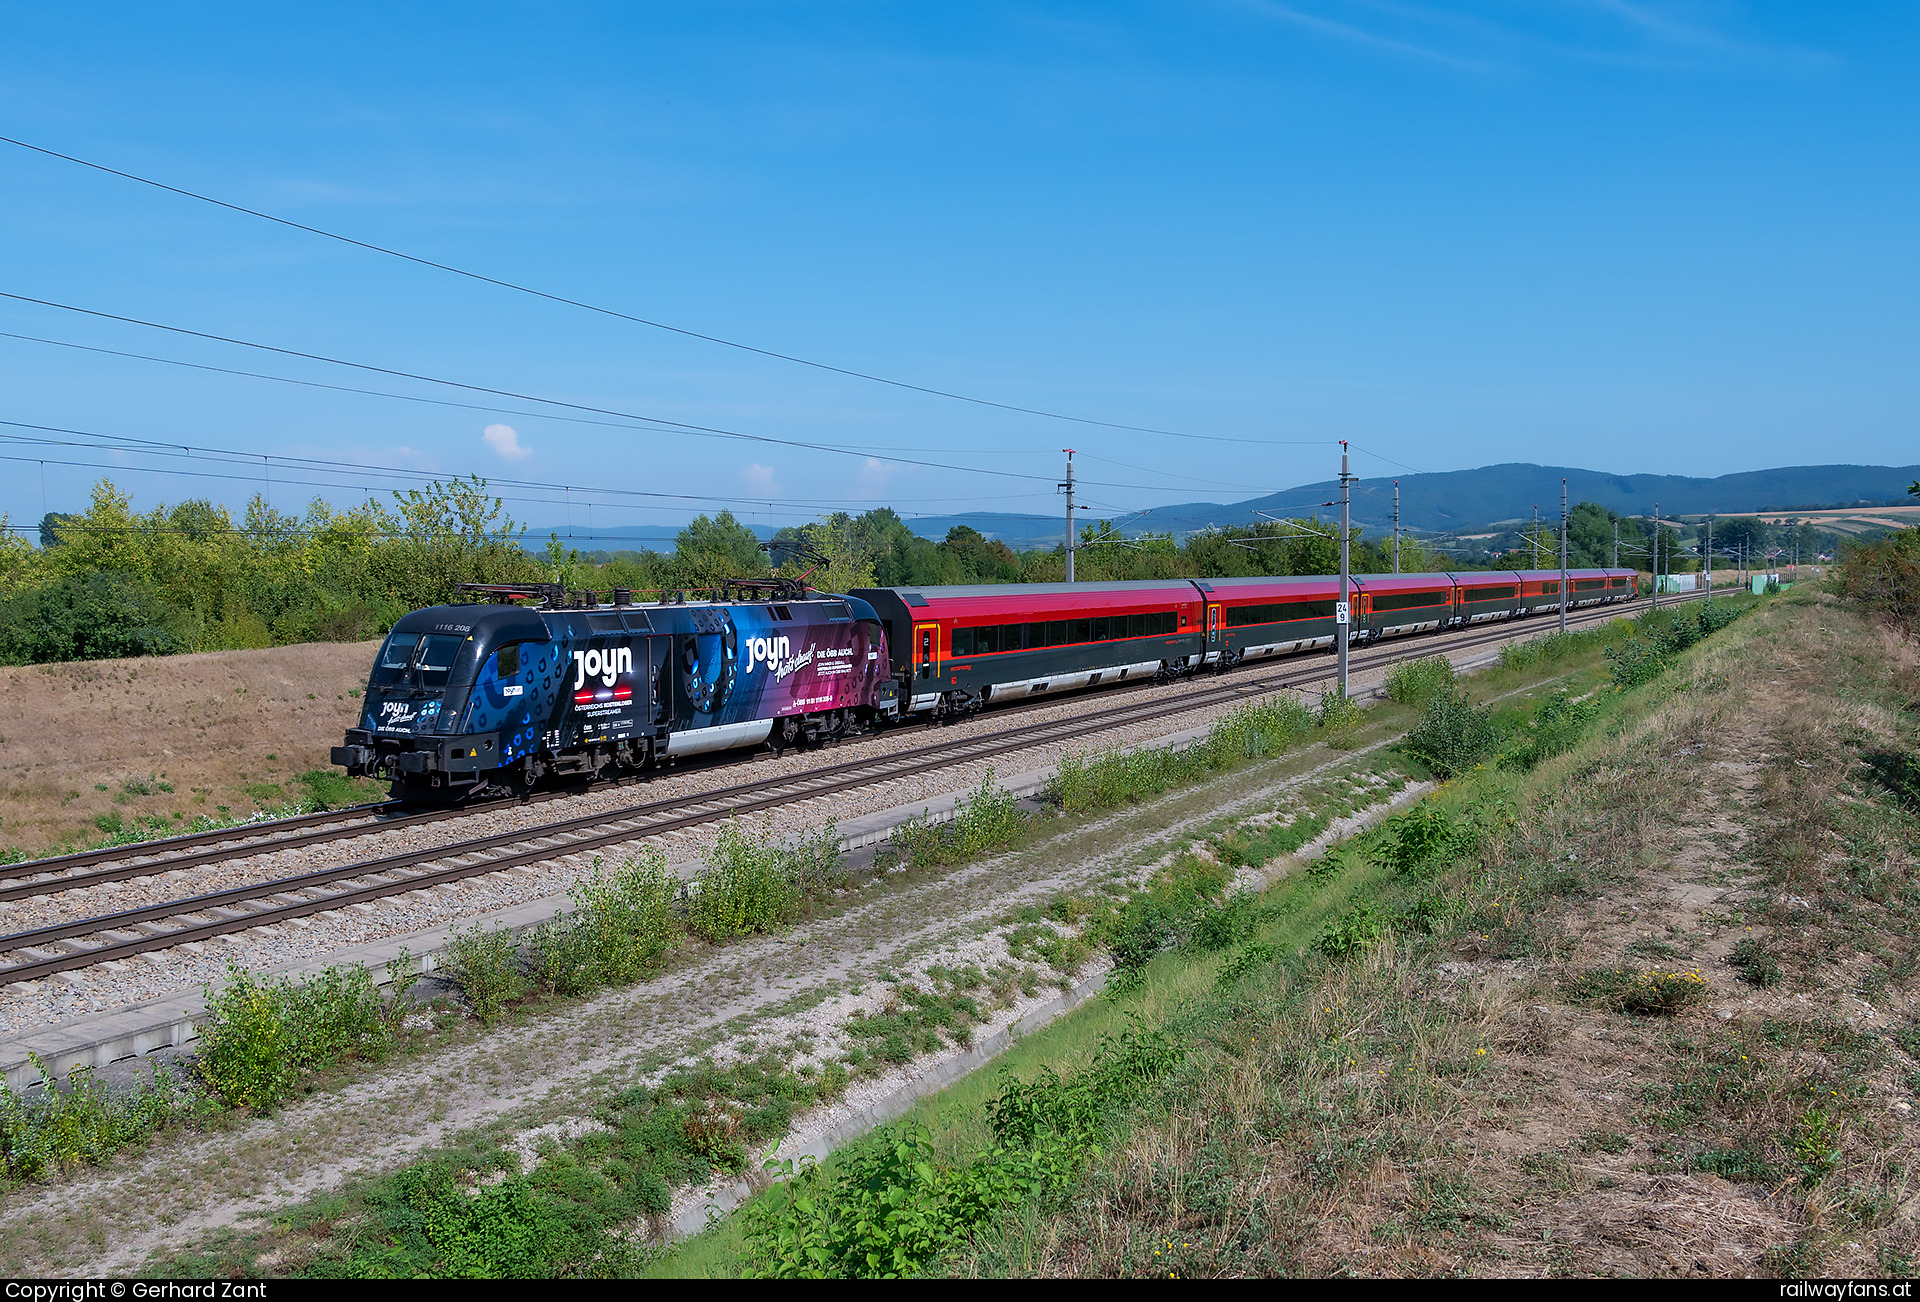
(926, 650)
(1213, 625)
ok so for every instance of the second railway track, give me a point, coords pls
(83, 942)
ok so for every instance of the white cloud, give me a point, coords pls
(871, 480)
(505, 440)
(759, 480)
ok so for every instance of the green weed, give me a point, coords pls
(256, 1039)
(57, 1128)
(486, 965)
(1453, 734)
(1415, 682)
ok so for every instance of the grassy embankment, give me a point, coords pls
(1651, 1013)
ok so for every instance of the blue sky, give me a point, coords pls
(1631, 236)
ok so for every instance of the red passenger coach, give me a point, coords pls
(1397, 604)
(967, 645)
(1540, 589)
(960, 648)
(1254, 619)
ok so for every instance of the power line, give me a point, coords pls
(667, 425)
(680, 426)
(614, 313)
(446, 402)
(353, 473)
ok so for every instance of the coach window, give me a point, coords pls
(962, 642)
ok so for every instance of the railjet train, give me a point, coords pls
(466, 699)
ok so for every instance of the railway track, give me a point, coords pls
(84, 942)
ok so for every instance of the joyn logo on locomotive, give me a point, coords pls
(605, 665)
(769, 651)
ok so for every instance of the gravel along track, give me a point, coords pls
(520, 854)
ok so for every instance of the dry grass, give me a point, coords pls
(210, 726)
(1462, 1103)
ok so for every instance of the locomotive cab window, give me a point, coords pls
(395, 658)
(437, 653)
(506, 661)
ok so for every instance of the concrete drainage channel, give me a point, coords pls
(168, 1025)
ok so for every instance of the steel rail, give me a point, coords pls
(625, 825)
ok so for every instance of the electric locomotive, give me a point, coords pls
(480, 698)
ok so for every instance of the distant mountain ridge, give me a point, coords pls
(1463, 500)
(1445, 501)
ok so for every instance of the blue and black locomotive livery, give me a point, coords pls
(469, 698)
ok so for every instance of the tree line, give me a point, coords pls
(112, 581)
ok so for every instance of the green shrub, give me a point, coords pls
(1339, 716)
(1883, 575)
(1357, 930)
(55, 1128)
(1086, 783)
(1245, 961)
(1414, 682)
(892, 1207)
(1555, 729)
(747, 887)
(337, 1014)
(1751, 960)
(1663, 634)
(246, 1050)
(1258, 729)
(1634, 662)
(1453, 734)
(620, 928)
(1549, 648)
(1416, 842)
(990, 819)
(486, 966)
(256, 1038)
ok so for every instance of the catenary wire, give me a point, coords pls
(637, 320)
(672, 426)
